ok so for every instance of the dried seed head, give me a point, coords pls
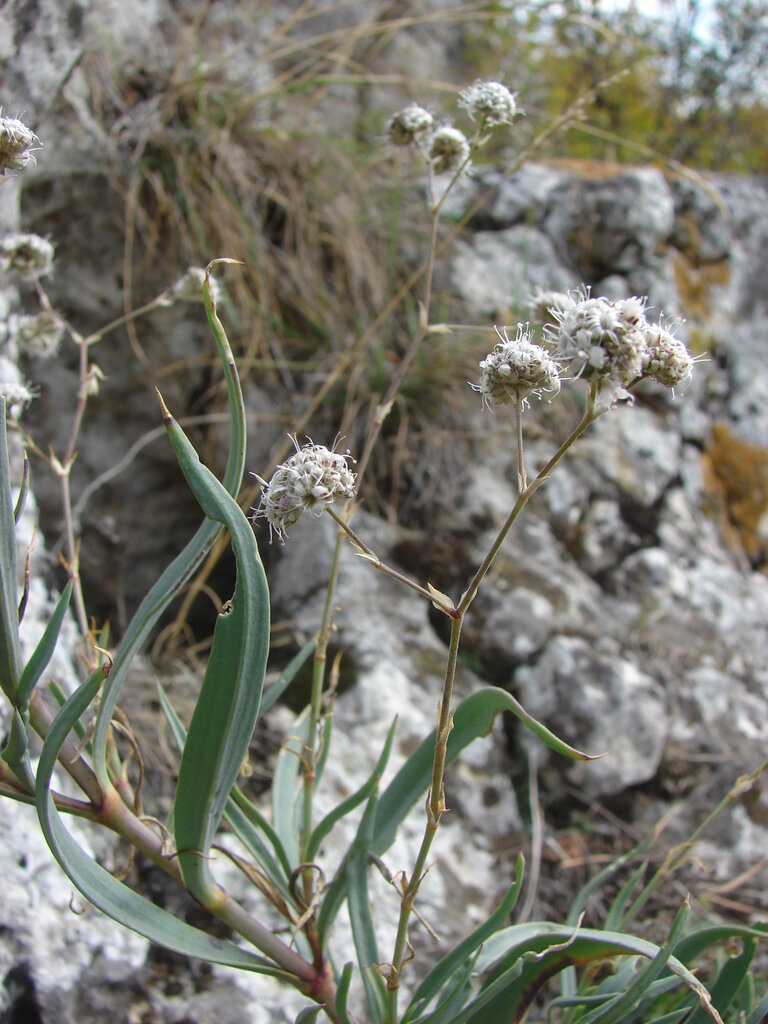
(311, 480)
(38, 336)
(517, 369)
(490, 103)
(408, 126)
(189, 287)
(29, 256)
(667, 360)
(16, 144)
(447, 149)
(17, 395)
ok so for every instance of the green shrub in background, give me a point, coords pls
(496, 972)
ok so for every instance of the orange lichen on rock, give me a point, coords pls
(736, 473)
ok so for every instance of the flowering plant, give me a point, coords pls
(494, 972)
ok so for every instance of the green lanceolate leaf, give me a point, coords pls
(759, 1014)
(445, 969)
(240, 814)
(21, 500)
(228, 705)
(43, 653)
(729, 980)
(347, 806)
(527, 956)
(10, 649)
(101, 888)
(308, 1014)
(274, 692)
(184, 566)
(16, 751)
(342, 993)
(618, 1010)
(693, 945)
(474, 717)
(286, 788)
(360, 918)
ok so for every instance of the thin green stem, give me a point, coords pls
(435, 809)
(522, 477)
(590, 415)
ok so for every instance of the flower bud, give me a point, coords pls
(16, 142)
(29, 256)
(408, 126)
(490, 103)
(667, 360)
(447, 149)
(38, 336)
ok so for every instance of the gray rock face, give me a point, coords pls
(623, 610)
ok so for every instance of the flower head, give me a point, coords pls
(543, 303)
(30, 256)
(666, 360)
(447, 149)
(517, 369)
(38, 336)
(491, 103)
(16, 143)
(600, 339)
(408, 126)
(17, 395)
(311, 480)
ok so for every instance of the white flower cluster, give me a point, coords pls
(490, 103)
(16, 394)
(445, 147)
(38, 336)
(16, 143)
(543, 303)
(29, 256)
(517, 369)
(614, 343)
(311, 480)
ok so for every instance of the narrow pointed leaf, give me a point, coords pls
(759, 1014)
(101, 888)
(474, 717)
(43, 653)
(10, 649)
(451, 962)
(727, 983)
(274, 692)
(308, 1014)
(286, 788)
(363, 932)
(617, 1012)
(352, 801)
(240, 815)
(16, 751)
(342, 993)
(228, 704)
(184, 566)
(526, 956)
